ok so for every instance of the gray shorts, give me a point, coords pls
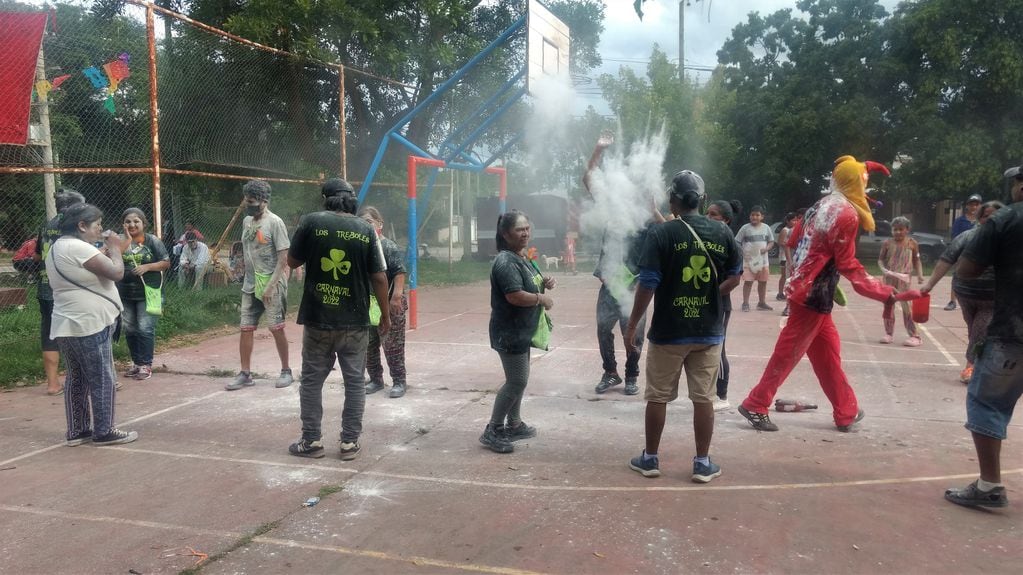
(253, 309)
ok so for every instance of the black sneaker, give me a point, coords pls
(759, 421)
(520, 431)
(647, 467)
(374, 386)
(350, 450)
(307, 448)
(779, 297)
(849, 427)
(631, 386)
(397, 390)
(972, 496)
(608, 381)
(79, 439)
(496, 441)
(745, 307)
(116, 437)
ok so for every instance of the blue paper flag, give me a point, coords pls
(96, 76)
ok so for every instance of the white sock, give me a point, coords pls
(986, 486)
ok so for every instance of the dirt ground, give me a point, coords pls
(210, 481)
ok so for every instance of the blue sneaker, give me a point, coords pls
(703, 473)
(646, 466)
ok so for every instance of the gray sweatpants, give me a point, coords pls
(320, 349)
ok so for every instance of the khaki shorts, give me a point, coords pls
(253, 309)
(664, 365)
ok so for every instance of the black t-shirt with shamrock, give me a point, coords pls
(687, 302)
(340, 252)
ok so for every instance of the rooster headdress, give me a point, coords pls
(850, 179)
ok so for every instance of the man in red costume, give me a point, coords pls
(825, 246)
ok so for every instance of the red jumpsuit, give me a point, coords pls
(824, 247)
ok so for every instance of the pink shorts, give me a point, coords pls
(749, 275)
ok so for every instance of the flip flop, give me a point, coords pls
(55, 393)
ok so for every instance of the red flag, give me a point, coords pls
(59, 80)
(21, 36)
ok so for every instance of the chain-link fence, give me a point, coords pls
(229, 110)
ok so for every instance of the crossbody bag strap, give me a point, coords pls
(699, 242)
(73, 282)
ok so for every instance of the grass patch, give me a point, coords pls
(242, 542)
(437, 273)
(189, 317)
(330, 490)
(217, 372)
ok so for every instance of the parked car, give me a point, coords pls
(868, 247)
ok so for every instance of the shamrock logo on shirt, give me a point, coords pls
(697, 271)
(336, 263)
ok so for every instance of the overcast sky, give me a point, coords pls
(628, 41)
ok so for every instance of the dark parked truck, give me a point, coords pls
(548, 215)
(868, 247)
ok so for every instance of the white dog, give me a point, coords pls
(550, 260)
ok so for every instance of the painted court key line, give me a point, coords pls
(129, 422)
(575, 488)
(192, 530)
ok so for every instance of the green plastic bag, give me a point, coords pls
(374, 311)
(620, 283)
(154, 297)
(262, 280)
(542, 335)
(839, 296)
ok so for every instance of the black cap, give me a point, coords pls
(335, 186)
(686, 182)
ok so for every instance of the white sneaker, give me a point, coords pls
(721, 404)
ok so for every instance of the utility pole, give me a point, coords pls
(46, 142)
(681, 39)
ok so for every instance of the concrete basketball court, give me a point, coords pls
(211, 476)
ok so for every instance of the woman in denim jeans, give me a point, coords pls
(145, 260)
(85, 307)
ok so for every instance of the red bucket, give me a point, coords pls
(922, 308)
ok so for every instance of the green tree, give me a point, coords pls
(805, 92)
(956, 68)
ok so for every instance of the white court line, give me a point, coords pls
(233, 535)
(130, 421)
(571, 488)
(937, 344)
(436, 321)
(730, 355)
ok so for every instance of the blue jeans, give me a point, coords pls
(320, 349)
(996, 386)
(139, 331)
(90, 376)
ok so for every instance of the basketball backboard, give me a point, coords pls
(547, 44)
